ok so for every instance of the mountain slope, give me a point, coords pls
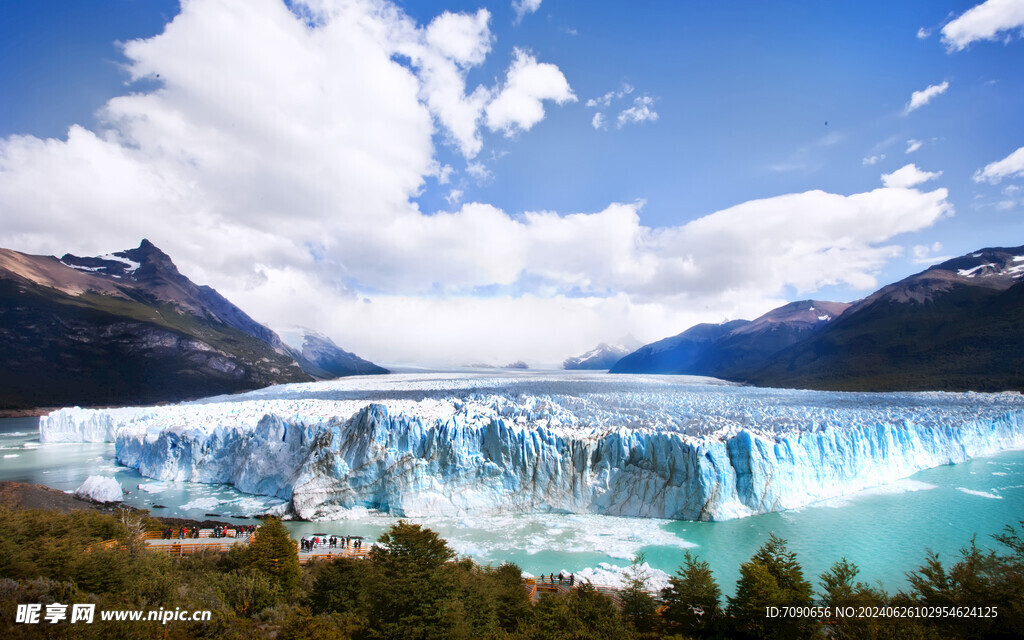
(958, 325)
(124, 328)
(320, 357)
(677, 354)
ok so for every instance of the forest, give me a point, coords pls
(413, 586)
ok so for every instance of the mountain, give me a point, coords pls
(603, 356)
(958, 325)
(124, 328)
(321, 358)
(730, 349)
(754, 343)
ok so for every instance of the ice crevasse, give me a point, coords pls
(399, 458)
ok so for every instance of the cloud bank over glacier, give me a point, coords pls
(277, 154)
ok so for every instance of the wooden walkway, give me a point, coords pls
(206, 543)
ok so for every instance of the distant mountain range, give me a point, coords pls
(958, 325)
(603, 356)
(128, 328)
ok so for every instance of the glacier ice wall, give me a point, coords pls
(650, 448)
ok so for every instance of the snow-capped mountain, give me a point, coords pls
(124, 327)
(604, 355)
(320, 357)
(727, 349)
(956, 325)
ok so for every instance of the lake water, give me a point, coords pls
(884, 531)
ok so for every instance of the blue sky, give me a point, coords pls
(424, 224)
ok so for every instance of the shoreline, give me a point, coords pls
(24, 495)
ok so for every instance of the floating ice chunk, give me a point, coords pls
(100, 489)
(611, 575)
(204, 504)
(982, 494)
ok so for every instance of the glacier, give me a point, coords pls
(674, 447)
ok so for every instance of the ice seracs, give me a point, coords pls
(649, 446)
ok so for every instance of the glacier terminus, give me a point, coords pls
(674, 447)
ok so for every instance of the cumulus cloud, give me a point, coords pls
(479, 172)
(1009, 167)
(641, 111)
(519, 104)
(986, 21)
(281, 157)
(524, 8)
(913, 145)
(926, 254)
(908, 176)
(598, 121)
(871, 160)
(920, 98)
(443, 53)
(454, 197)
(923, 34)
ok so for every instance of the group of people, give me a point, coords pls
(332, 542)
(561, 578)
(182, 533)
(218, 532)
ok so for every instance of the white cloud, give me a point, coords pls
(464, 39)
(444, 174)
(871, 160)
(281, 162)
(598, 121)
(925, 254)
(985, 21)
(908, 176)
(479, 172)
(443, 53)
(606, 100)
(923, 34)
(454, 197)
(1010, 166)
(524, 8)
(913, 145)
(519, 105)
(923, 250)
(640, 112)
(920, 98)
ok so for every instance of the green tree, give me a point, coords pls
(839, 591)
(274, 553)
(250, 591)
(772, 577)
(583, 614)
(979, 579)
(340, 587)
(639, 609)
(692, 599)
(410, 595)
(512, 602)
